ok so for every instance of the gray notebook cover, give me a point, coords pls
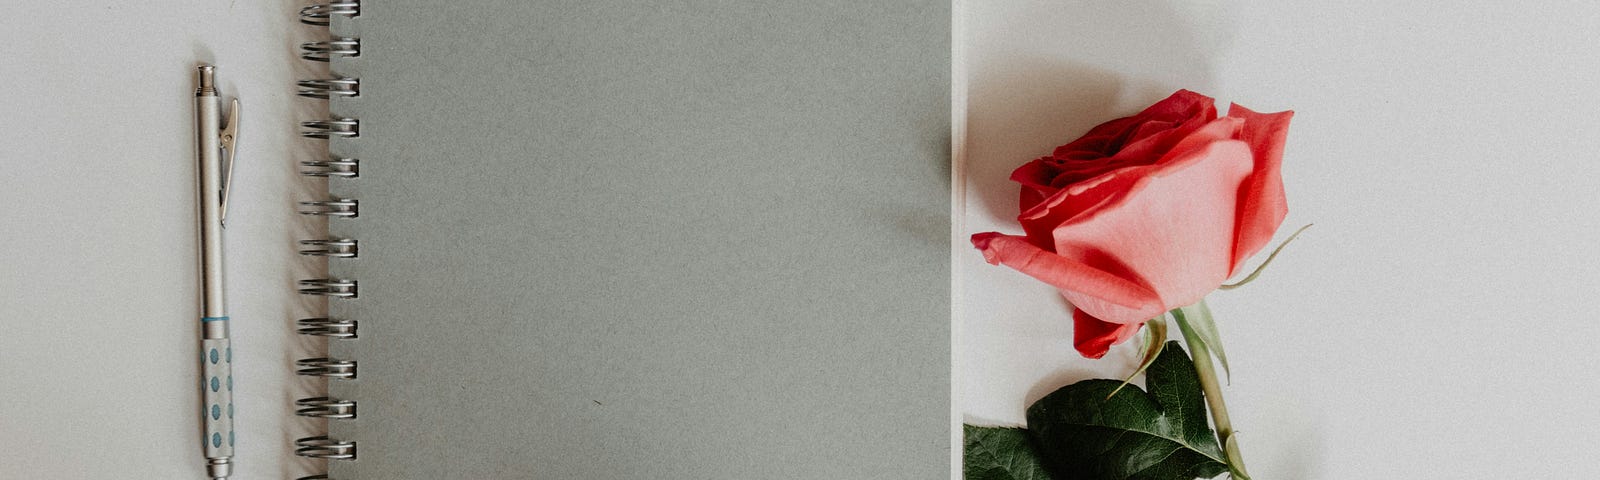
(647, 240)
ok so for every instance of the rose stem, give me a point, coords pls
(1207, 372)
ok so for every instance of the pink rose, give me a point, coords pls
(1147, 213)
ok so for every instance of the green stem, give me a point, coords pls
(1209, 384)
(1212, 388)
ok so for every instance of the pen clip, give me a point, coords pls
(228, 139)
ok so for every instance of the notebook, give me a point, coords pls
(633, 240)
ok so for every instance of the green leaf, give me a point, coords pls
(1133, 435)
(1155, 337)
(1197, 323)
(1001, 453)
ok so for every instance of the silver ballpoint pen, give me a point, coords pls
(213, 136)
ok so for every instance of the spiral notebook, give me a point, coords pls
(633, 240)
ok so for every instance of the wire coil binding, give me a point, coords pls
(334, 329)
(329, 287)
(327, 50)
(326, 367)
(324, 447)
(330, 128)
(325, 407)
(330, 87)
(341, 207)
(321, 14)
(326, 327)
(330, 247)
(342, 168)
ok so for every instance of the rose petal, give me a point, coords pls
(1045, 176)
(1119, 143)
(1040, 222)
(1262, 204)
(1172, 232)
(1226, 128)
(1063, 273)
(1152, 148)
(1181, 105)
(1035, 178)
(1104, 137)
(1094, 337)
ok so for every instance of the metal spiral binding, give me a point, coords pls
(326, 367)
(331, 247)
(328, 49)
(321, 14)
(334, 329)
(326, 327)
(342, 168)
(333, 127)
(324, 447)
(325, 407)
(329, 287)
(330, 87)
(342, 207)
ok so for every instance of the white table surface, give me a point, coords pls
(1433, 324)
(98, 289)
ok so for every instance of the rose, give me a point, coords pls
(1147, 213)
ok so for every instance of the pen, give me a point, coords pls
(216, 354)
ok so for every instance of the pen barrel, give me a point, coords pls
(217, 382)
(209, 170)
(216, 352)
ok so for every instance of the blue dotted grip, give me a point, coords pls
(216, 381)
